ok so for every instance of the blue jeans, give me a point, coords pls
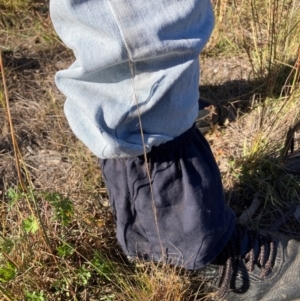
(133, 57)
(136, 69)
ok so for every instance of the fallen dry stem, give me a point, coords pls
(6, 295)
(13, 137)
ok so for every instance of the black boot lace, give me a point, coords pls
(264, 259)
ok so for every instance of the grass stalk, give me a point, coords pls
(7, 295)
(13, 137)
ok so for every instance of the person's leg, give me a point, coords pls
(136, 72)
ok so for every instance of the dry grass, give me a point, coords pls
(57, 237)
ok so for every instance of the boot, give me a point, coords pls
(256, 266)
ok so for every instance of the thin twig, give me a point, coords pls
(10, 259)
(6, 294)
(132, 70)
(12, 132)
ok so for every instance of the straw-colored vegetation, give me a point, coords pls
(56, 231)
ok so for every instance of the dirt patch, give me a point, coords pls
(219, 70)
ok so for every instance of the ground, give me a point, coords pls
(57, 238)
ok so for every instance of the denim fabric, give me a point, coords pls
(190, 224)
(132, 57)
